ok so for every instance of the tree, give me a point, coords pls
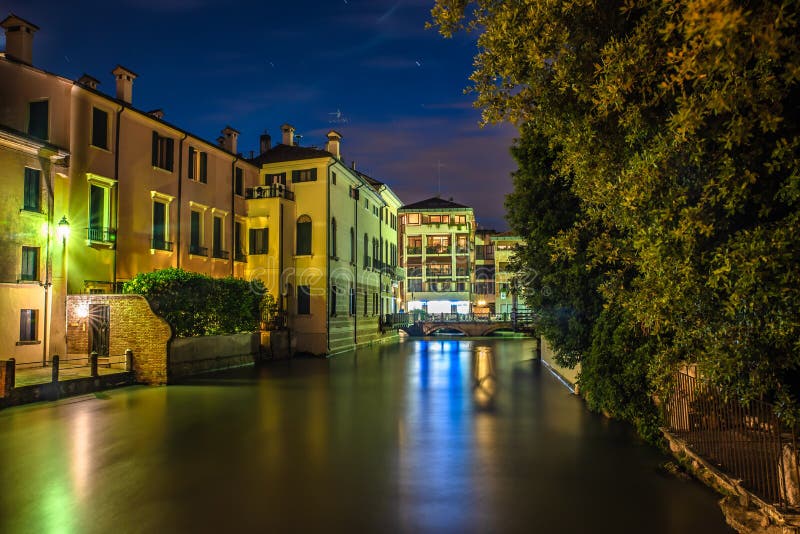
(677, 127)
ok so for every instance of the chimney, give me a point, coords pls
(230, 139)
(19, 38)
(157, 113)
(333, 143)
(89, 81)
(125, 79)
(264, 143)
(288, 134)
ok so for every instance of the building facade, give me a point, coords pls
(139, 193)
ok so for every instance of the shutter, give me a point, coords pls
(155, 149)
(170, 156)
(204, 167)
(192, 162)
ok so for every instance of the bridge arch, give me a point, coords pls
(432, 329)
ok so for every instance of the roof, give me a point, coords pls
(435, 203)
(13, 20)
(283, 152)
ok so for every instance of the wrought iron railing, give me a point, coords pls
(268, 191)
(101, 234)
(160, 244)
(221, 254)
(746, 441)
(197, 250)
(437, 250)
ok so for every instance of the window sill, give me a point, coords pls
(198, 257)
(100, 244)
(33, 213)
(101, 149)
(27, 282)
(303, 255)
(197, 181)
(20, 343)
(219, 260)
(161, 251)
(161, 169)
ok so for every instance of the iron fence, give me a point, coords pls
(747, 442)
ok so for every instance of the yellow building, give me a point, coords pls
(334, 257)
(437, 241)
(505, 245)
(483, 288)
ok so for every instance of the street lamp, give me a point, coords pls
(63, 229)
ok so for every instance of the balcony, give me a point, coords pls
(240, 257)
(221, 254)
(438, 273)
(462, 271)
(268, 191)
(414, 271)
(160, 244)
(462, 250)
(101, 235)
(413, 251)
(197, 250)
(436, 249)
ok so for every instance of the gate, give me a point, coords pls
(98, 328)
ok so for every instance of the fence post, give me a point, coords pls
(55, 368)
(7, 370)
(537, 354)
(93, 363)
(129, 360)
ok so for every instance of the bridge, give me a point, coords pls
(419, 324)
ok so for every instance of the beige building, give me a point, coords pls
(139, 193)
(335, 257)
(437, 253)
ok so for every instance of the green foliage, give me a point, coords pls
(676, 128)
(197, 305)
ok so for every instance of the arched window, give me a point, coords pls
(366, 251)
(303, 235)
(352, 245)
(333, 238)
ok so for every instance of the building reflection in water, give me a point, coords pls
(484, 383)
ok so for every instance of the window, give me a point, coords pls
(163, 156)
(366, 251)
(333, 239)
(38, 118)
(238, 182)
(352, 300)
(217, 239)
(333, 301)
(352, 245)
(374, 304)
(198, 165)
(279, 178)
(333, 178)
(365, 303)
(415, 285)
(304, 175)
(33, 190)
(30, 263)
(354, 193)
(28, 330)
(436, 219)
(413, 218)
(259, 240)
(459, 219)
(160, 227)
(303, 235)
(196, 234)
(99, 214)
(303, 300)
(99, 128)
(238, 246)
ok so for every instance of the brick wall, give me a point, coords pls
(132, 325)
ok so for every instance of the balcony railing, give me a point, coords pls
(412, 251)
(269, 191)
(240, 256)
(414, 271)
(438, 273)
(437, 250)
(221, 254)
(160, 244)
(197, 250)
(462, 250)
(102, 235)
(462, 272)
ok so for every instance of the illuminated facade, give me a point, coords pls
(141, 194)
(438, 238)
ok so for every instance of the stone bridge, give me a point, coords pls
(471, 325)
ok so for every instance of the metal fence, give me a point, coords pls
(747, 442)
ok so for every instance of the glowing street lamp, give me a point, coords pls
(63, 228)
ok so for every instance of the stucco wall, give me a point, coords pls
(194, 355)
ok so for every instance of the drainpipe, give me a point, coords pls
(233, 214)
(118, 127)
(48, 268)
(328, 255)
(180, 203)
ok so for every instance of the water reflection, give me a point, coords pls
(440, 435)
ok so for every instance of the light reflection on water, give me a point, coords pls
(432, 435)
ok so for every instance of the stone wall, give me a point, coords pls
(132, 325)
(193, 355)
(570, 376)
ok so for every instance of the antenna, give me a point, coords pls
(439, 166)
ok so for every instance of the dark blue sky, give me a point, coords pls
(368, 69)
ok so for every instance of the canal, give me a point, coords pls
(439, 435)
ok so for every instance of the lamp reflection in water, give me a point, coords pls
(484, 385)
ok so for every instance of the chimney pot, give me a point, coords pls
(19, 38)
(230, 139)
(334, 143)
(125, 79)
(264, 143)
(157, 113)
(89, 81)
(287, 131)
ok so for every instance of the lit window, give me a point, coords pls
(413, 218)
(28, 330)
(259, 240)
(198, 165)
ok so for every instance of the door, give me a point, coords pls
(98, 329)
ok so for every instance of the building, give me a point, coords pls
(504, 247)
(139, 193)
(438, 237)
(335, 262)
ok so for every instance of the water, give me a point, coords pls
(426, 436)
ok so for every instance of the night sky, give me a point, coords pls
(368, 69)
